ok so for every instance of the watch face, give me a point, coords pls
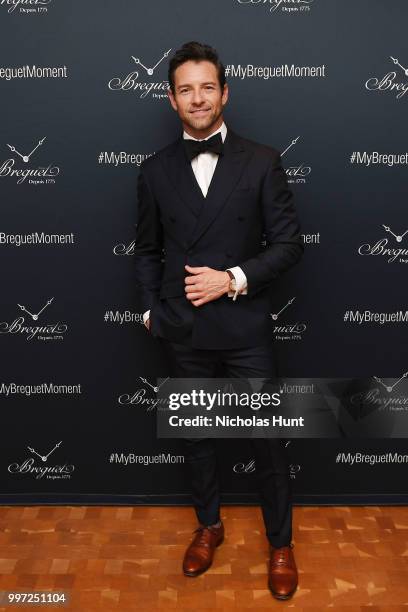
(232, 283)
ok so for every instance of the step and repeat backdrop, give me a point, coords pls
(83, 102)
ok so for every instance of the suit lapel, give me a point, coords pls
(182, 177)
(227, 172)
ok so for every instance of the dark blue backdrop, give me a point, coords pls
(81, 106)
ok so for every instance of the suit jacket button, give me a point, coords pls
(240, 218)
(172, 219)
(228, 254)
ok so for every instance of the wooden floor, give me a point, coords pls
(129, 558)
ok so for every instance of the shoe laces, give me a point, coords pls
(202, 540)
(280, 557)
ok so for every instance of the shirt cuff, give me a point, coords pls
(146, 315)
(240, 282)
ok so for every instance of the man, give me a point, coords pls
(207, 200)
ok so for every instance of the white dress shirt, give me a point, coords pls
(203, 166)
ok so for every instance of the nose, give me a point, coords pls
(197, 97)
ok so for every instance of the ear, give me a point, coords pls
(172, 99)
(225, 94)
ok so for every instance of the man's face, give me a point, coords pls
(198, 98)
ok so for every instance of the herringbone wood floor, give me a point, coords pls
(129, 558)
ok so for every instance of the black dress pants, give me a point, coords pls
(272, 462)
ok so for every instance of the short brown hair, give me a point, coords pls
(197, 52)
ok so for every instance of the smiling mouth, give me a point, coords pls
(200, 111)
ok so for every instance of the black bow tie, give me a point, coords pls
(195, 147)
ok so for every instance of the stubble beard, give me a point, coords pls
(204, 123)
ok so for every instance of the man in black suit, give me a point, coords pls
(208, 200)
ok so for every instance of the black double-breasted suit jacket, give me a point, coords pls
(248, 203)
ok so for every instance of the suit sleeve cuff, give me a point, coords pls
(146, 315)
(240, 282)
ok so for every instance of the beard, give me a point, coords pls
(202, 123)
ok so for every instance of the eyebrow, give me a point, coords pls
(189, 85)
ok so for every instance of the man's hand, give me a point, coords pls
(205, 284)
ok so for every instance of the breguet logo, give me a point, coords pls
(39, 466)
(298, 172)
(40, 175)
(387, 395)
(140, 397)
(133, 81)
(287, 331)
(392, 82)
(26, 6)
(45, 331)
(385, 248)
(285, 6)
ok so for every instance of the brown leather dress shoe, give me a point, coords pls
(283, 576)
(200, 553)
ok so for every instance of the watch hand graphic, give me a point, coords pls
(35, 148)
(44, 457)
(26, 158)
(32, 450)
(43, 308)
(397, 238)
(150, 70)
(137, 61)
(25, 310)
(147, 383)
(165, 54)
(290, 146)
(161, 384)
(18, 152)
(51, 451)
(398, 64)
(390, 388)
(35, 316)
(154, 387)
(399, 380)
(275, 316)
